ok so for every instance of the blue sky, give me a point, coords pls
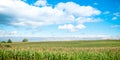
(59, 18)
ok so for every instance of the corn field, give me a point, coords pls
(26, 52)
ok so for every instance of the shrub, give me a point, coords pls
(9, 41)
(25, 40)
(7, 45)
(3, 42)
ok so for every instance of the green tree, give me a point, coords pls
(0, 44)
(9, 41)
(3, 42)
(25, 40)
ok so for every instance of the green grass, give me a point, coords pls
(96, 43)
(62, 50)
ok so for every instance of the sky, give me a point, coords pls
(59, 18)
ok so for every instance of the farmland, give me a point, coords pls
(61, 50)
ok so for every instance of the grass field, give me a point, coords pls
(62, 50)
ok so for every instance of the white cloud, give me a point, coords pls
(80, 26)
(87, 19)
(14, 32)
(71, 27)
(77, 10)
(19, 13)
(114, 18)
(117, 14)
(106, 12)
(2, 32)
(115, 26)
(95, 3)
(40, 3)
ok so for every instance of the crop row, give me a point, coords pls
(60, 54)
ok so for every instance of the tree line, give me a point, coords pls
(10, 41)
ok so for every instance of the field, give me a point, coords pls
(61, 50)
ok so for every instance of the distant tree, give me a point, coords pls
(9, 41)
(25, 40)
(0, 44)
(3, 42)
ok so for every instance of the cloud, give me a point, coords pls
(114, 18)
(115, 26)
(95, 3)
(80, 24)
(106, 12)
(82, 20)
(19, 13)
(117, 14)
(40, 3)
(71, 27)
(2, 32)
(77, 10)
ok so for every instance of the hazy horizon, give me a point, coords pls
(39, 39)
